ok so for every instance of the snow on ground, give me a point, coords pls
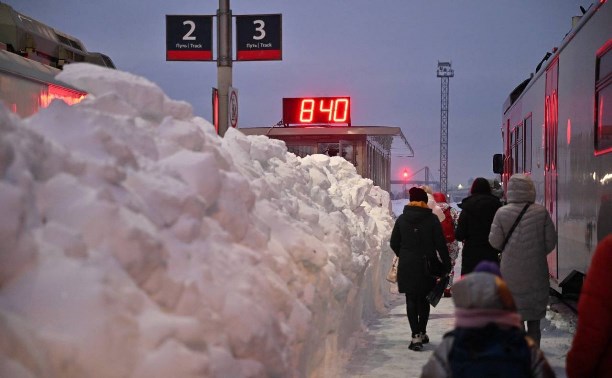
(137, 243)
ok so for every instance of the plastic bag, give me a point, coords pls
(433, 297)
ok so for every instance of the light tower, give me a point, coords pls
(444, 72)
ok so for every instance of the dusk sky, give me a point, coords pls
(381, 53)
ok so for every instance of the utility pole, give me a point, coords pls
(224, 61)
(445, 72)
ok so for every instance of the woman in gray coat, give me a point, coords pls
(523, 263)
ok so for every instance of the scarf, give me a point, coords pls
(418, 204)
(480, 317)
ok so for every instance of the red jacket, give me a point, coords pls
(591, 351)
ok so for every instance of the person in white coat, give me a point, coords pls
(432, 204)
(523, 258)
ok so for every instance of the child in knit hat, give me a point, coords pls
(488, 338)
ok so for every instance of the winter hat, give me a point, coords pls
(488, 266)
(439, 197)
(417, 194)
(482, 290)
(480, 186)
(482, 298)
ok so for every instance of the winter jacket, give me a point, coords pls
(438, 365)
(591, 351)
(482, 298)
(411, 247)
(523, 264)
(473, 229)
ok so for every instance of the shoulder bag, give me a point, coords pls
(392, 275)
(516, 222)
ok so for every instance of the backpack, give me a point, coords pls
(490, 351)
(448, 226)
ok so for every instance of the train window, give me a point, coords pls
(603, 98)
(518, 148)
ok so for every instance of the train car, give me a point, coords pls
(34, 40)
(557, 127)
(26, 86)
(31, 55)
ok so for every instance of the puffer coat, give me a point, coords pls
(523, 265)
(473, 230)
(412, 246)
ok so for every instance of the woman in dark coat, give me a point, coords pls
(417, 233)
(474, 225)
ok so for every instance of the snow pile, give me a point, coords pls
(137, 243)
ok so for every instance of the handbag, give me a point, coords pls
(392, 275)
(433, 266)
(516, 222)
(433, 297)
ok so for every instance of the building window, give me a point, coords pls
(603, 101)
(301, 151)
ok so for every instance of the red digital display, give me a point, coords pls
(317, 111)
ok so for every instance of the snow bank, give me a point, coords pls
(137, 243)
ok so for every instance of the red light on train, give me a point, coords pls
(55, 92)
(317, 111)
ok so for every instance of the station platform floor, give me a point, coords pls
(382, 351)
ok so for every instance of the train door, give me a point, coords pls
(508, 161)
(551, 126)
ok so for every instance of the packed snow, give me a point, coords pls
(135, 242)
(138, 243)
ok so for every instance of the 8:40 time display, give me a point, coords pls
(317, 111)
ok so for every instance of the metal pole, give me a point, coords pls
(224, 61)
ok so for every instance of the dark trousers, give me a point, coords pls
(417, 309)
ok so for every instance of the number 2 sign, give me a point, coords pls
(258, 37)
(189, 37)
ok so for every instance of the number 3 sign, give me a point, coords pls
(258, 37)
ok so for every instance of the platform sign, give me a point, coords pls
(259, 37)
(189, 37)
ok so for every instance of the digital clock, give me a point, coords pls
(317, 111)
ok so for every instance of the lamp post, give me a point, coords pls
(405, 175)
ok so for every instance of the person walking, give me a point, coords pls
(591, 351)
(417, 234)
(474, 225)
(523, 258)
(487, 339)
(451, 216)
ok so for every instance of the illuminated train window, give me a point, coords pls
(603, 101)
(26, 97)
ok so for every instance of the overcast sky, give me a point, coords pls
(381, 53)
